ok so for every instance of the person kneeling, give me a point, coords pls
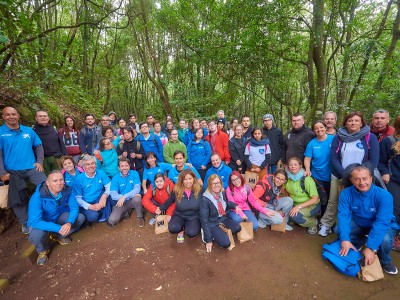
(53, 213)
(213, 208)
(365, 217)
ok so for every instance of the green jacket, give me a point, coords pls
(170, 148)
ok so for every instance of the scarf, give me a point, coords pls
(297, 176)
(262, 142)
(348, 138)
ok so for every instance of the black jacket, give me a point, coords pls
(53, 145)
(276, 143)
(296, 142)
(236, 149)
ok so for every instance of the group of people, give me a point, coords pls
(196, 175)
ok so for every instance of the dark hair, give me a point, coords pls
(156, 122)
(105, 128)
(255, 129)
(132, 115)
(244, 116)
(396, 125)
(141, 124)
(298, 115)
(237, 174)
(158, 175)
(124, 159)
(282, 172)
(149, 115)
(191, 123)
(202, 131)
(296, 159)
(102, 143)
(66, 157)
(147, 155)
(66, 128)
(319, 121)
(179, 152)
(353, 114)
(90, 115)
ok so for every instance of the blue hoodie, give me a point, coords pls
(199, 153)
(153, 143)
(189, 136)
(44, 210)
(222, 171)
(372, 209)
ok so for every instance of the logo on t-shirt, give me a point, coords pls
(26, 136)
(261, 151)
(360, 145)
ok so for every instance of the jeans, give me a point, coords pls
(285, 204)
(220, 237)
(358, 236)
(41, 238)
(118, 212)
(330, 215)
(250, 217)
(306, 217)
(191, 227)
(271, 169)
(101, 215)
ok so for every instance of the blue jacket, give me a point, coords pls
(372, 209)
(44, 210)
(153, 143)
(371, 154)
(223, 171)
(189, 135)
(199, 153)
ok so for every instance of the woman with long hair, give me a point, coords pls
(70, 135)
(213, 212)
(237, 145)
(257, 153)
(108, 157)
(186, 196)
(157, 131)
(190, 133)
(152, 167)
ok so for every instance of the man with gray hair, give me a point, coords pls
(92, 191)
(380, 124)
(276, 141)
(330, 119)
(365, 217)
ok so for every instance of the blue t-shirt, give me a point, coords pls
(173, 174)
(125, 186)
(90, 189)
(319, 152)
(148, 174)
(17, 147)
(69, 179)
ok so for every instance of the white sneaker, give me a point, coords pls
(152, 221)
(261, 224)
(324, 230)
(288, 227)
(202, 236)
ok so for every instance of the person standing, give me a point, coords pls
(90, 135)
(276, 142)
(132, 150)
(173, 145)
(330, 120)
(70, 136)
(218, 141)
(237, 145)
(150, 142)
(53, 144)
(380, 124)
(16, 141)
(247, 129)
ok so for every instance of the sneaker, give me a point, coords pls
(25, 229)
(390, 268)
(312, 230)
(261, 224)
(42, 258)
(109, 224)
(202, 236)
(61, 240)
(152, 221)
(324, 230)
(140, 222)
(288, 227)
(396, 244)
(181, 237)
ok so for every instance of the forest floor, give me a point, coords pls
(128, 262)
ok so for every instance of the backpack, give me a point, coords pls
(323, 197)
(267, 188)
(168, 191)
(347, 265)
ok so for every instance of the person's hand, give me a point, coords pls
(94, 207)
(345, 247)
(307, 173)
(144, 191)
(238, 162)
(5, 177)
(96, 152)
(158, 211)
(203, 167)
(38, 167)
(209, 247)
(189, 165)
(64, 230)
(270, 213)
(103, 200)
(120, 202)
(124, 154)
(386, 178)
(369, 256)
(133, 155)
(294, 211)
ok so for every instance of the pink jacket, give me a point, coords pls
(240, 197)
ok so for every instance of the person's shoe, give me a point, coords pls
(202, 236)
(140, 222)
(152, 221)
(396, 244)
(181, 237)
(324, 230)
(109, 224)
(42, 258)
(61, 240)
(25, 229)
(261, 224)
(288, 227)
(390, 269)
(312, 230)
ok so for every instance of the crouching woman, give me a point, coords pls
(213, 211)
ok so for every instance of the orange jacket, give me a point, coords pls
(160, 197)
(221, 145)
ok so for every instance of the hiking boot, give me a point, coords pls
(288, 227)
(42, 258)
(396, 244)
(390, 269)
(25, 229)
(324, 230)
(312, 230)
(61, 240)
(140, 222)
(181, 237)
(152, 221)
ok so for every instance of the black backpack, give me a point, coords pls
(323, 197)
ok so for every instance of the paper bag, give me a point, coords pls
(251, 179)
(246, 234)
(280, 227)
(371, 272)
(161, 224)
(230, 235)
(3, 196)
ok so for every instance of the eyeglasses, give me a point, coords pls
(216, 183)
(235, 179)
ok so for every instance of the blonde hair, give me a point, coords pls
(210, 180)
(179, 187)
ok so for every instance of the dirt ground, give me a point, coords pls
(104, 263)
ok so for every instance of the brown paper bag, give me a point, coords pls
(279, 227)
(4, 196)
(371, 272)
(230, 235)
(246, 234)
(161, 224)
(251, 179)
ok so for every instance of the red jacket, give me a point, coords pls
(160, 197)
(221, 145)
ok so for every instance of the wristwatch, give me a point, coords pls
(299, 207)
